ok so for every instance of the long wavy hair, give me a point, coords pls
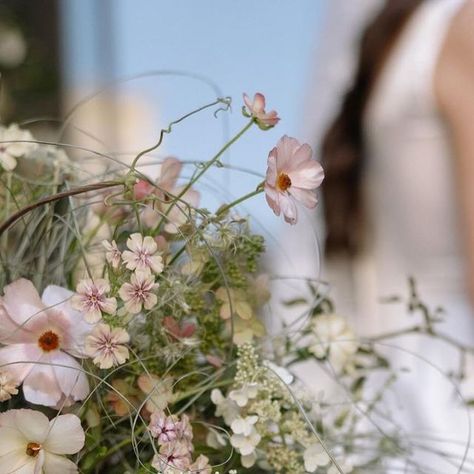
(343, 150)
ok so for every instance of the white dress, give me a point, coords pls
(414, 230)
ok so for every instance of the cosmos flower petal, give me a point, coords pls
(306, 197)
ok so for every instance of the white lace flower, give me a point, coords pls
(106, 346)
(33, 444)
(139, 292)
(112, 254)
(315, 456)
(8, 386)
(335, 339)
(11, 146)
(91, 299)
(142, 254)
(245, 437)
(242, 395)
(226, 408)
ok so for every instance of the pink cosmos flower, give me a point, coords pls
(32, 444)
(41, 337)
(164, 428)
(139, 292)
(142, 255)
(292, 175)
(106, 346)
(91, 299)
(112, 254)
(256, 109)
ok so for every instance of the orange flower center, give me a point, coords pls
(49, 341)
(33, 449)
(283, 182)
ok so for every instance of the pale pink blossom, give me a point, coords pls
(143, 254)
(159, 391)
(164, 428)
(200, 465)
(41, 339)
(8, 386)
(32, 444)
(165, 192)
(292, 175)
(172, 457)
(112, 254)
(139, 292)
(142, 189)
(91, 299)
(106, 346)
(256, 109)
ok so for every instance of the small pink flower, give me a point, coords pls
(142, 189)
(200, 465)
(158, 391)
(139, 292)
(163, 427)
(172, 455)
(142, 254)
(292, 175)
(106, 346)
(91, 299)
(112, 254)
(256, 109)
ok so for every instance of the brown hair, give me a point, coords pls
(343, 145)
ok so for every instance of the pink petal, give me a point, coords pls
(306, 197)
(60, 299)
(288, 208)
(285, 149)
(66, 435)
(258, 103)
(10, 332)
(13, 356)
(170, 170)
(308, 175)
(272, 197)
(23, 304)
(70, 376)
(40, 386)
(142, 189)
(247, 102)
(271, 168)
(301, 155)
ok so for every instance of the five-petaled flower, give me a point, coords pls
(33, 444)
(91, 299)
(256, 110)
(139, 292)
(143, 254)
(41, 339)
(112, 254)
(292, 175)
(106, 346)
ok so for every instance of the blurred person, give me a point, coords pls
(399, 201)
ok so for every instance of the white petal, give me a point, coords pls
(54, 464)
(11, 439)
(40, 386)
(66, 435)
(12, 356)
(17, 462)
(70, 375)
(33, 424)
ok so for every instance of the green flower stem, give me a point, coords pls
(207, 165)
(226, 207)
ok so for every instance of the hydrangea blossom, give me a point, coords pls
(315, 456)
(13, 144)
(245, 437)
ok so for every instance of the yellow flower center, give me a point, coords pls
(33, 449)
(49, 341)
(283, 182)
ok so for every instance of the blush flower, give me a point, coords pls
(112, 254)
(142, 254)
(159, 391)
(139, 292)
(91, 299)
(41, 337)
(292, 175)
(164, 428)
(12, 148)
(256, 110)
(33, 444)
(106, 346)
(172, 458)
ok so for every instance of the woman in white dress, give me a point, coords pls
(399, 202)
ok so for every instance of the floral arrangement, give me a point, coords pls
(130, 329)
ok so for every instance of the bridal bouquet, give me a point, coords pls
(131, 325)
